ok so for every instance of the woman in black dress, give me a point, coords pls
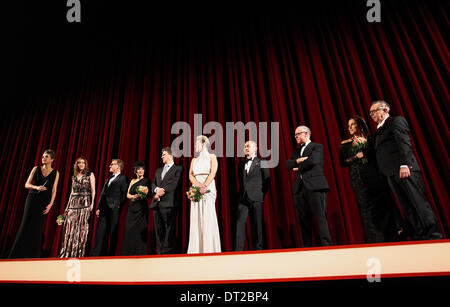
(42, 183)
(135, 236)
(379, 215)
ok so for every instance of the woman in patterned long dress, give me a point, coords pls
(78, 210)
(42, 183)
(204, 234)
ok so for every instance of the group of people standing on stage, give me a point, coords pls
(378, 165)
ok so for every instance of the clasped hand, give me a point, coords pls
(203, 188)
(300, 160)
(159, 194)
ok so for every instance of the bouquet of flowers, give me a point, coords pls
(194, 194)
(60, 219)
(359, 145)
(141, 191)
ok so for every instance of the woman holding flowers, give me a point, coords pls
(204, 234)
(135, 236)
(77, 212)
(379, 215)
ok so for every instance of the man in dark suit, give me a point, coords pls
(113, 195)
(253, 185)
(310, 187)
(164, 203)
(398, 164)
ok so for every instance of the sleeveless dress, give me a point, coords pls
(204, 234)
(76, 225)
(28, 242)
(135, 235)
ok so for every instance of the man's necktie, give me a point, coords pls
(166, 168)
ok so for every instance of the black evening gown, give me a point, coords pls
(29, 237)
(379, 215)
(135, 236)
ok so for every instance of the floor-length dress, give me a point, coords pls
(204, 234)
(76, 224)
(135, 235)
(379, 215)
(29, 237)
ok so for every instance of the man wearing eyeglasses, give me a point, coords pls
(396, 162)
(310, 187)
(113, 195)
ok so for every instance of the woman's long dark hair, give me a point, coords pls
(362, 126)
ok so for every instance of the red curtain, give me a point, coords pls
(115, 93)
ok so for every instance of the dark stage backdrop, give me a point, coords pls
(112, 86)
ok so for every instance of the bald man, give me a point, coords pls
(310, 187)
(253, 185)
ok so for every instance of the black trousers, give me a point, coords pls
(310, 205)
(108, 222)
(420, 218)
(165, 229)
(255, 209)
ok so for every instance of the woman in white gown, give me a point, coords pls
(204, 234)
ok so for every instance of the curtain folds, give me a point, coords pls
(119, 99)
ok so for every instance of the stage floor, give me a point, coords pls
(368, 261)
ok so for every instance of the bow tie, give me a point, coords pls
(302, 145)
(248, 159)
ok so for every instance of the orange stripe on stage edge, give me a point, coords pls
(404, 259)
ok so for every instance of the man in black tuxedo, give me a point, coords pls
(253, 185)
(398, 164)
(113, 195)
(164, 203)
(310, 187)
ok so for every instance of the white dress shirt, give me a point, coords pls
(112, 179)
(382, 122)
(166, 169)
(249, 163)
(164, 172)
(380, 125)
(303, 148)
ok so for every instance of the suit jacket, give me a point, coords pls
(393, 146)
(169, 184)
(255, 184)
(114, 195)
(310, 173)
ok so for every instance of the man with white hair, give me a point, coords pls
(310, 187)
(397, 163)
